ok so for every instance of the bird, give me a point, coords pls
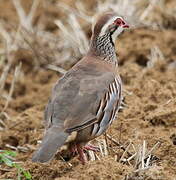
(86, 100)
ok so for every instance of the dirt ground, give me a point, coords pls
(150, 112)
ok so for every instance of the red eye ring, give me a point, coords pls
(118, 21)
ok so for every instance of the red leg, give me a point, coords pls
(73, 149)
(82, 157)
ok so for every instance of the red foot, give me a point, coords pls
(78, 149)
(91, 147)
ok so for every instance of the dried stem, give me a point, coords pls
(16, 75)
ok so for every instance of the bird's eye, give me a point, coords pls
(123, 22)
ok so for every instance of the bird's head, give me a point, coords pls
(109, 24)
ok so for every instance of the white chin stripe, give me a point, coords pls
(116, 33)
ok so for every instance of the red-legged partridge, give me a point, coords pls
(85, 100)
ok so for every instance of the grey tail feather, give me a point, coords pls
(54, 138)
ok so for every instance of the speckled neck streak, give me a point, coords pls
(103, 46)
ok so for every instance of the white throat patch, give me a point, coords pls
(116, 33)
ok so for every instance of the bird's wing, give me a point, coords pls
(82, 98)
(96, 102)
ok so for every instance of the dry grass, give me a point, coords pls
(138, 156)
(53, 51)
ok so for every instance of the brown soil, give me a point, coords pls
(150, 113)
